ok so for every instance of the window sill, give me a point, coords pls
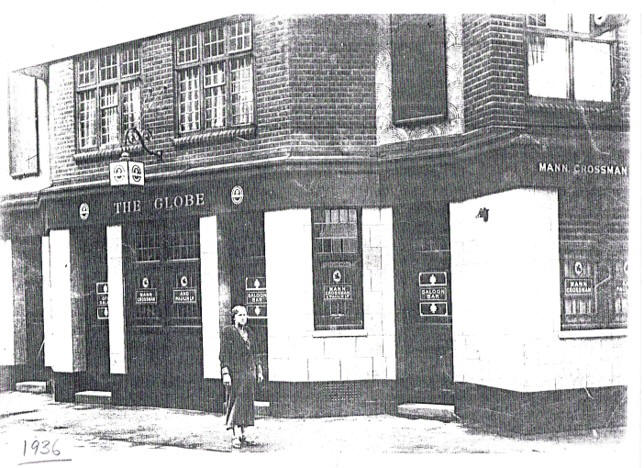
(216, 136)
(105, 153)
(338, 333)
(568, 105)
(603, 333)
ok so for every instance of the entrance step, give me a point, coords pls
(262, 409)
(31, 387)
(93, 397)
(443, 413)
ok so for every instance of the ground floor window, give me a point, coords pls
(593, 260)
(337, 269)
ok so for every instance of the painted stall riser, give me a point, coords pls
(510, 412)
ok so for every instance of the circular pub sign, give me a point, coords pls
(83, 211)
(237, 195)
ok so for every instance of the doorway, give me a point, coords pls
(423, 304)
(245, 246)
(163, 313)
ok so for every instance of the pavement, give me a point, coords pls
(106, 436)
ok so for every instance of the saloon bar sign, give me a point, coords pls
(432, 287)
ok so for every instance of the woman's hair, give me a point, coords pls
(236, 310)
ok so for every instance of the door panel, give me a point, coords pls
(248, 281)
(163, 301)
(94, 259)
(423, 302)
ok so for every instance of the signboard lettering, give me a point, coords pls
(145, 296)
(256, 297)
(176, 202)
(184, 296)
(578, 286)
(433, 294)
(338, 292)
(577, 169)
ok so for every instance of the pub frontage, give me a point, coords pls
(483, 267)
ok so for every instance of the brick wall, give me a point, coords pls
(332, 70)
(494, 68)
(272, 99)
(495, 90)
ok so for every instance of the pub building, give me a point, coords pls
(414, 208)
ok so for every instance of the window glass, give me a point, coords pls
(241, 90)
(109, 114)
(337, 269)
(548, 67)
(592, 71)
(87, 119)
(189, 110)
(131, 92)
(217, 90)
(581, 22)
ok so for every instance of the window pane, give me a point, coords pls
(213, 42)
(239, 36)
(581, 22)
(620, 306)
(592, 71)
(131, 105)
(215, 95)
(549, 20)
(109, 114)
(547, 67)
(187, 48)
(241, 91)
(189, 108)
(130, 62)
(87, 119)
(108, 66)
(86, 71)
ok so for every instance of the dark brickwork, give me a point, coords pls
(494, 71)
(332, 70)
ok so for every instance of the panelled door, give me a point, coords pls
(163, 312)
(423, 303)
(93, 258)
(248, 273)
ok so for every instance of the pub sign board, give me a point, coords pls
(184, 296)
(433, 294)
(578, 286)
(101, 301)
(256, 297)
(145, 296)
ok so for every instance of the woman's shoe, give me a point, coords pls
(237, 442)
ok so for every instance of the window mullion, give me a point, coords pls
(571, 69)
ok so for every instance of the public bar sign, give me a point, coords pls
(184, 296)
(145, 296)
(578, 286)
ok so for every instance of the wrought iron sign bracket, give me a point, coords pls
(144, 137)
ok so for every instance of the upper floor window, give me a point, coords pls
(214, 76)
(418, 68)
(567, 59)
(108, 96)
(23, 125)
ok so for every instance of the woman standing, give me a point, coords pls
(239, 370)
